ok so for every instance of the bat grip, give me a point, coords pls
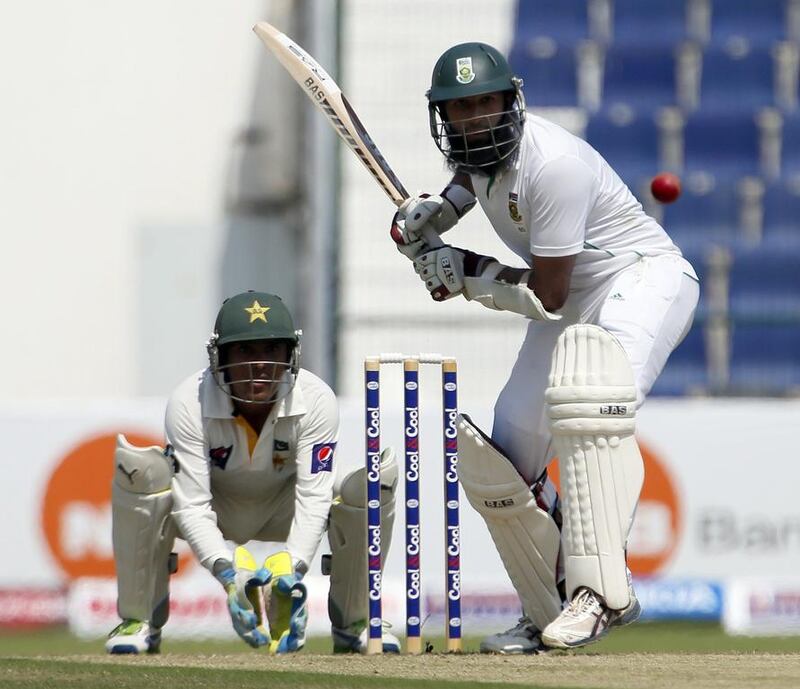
(432, 238)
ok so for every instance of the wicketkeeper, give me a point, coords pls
(608, 295)
(251, 455)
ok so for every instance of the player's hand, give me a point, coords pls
(288, 605)
(412, 244)
(443, 270)
(243, 583)
(424, 213)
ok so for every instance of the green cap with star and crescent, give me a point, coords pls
(254, 316)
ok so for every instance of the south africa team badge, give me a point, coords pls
(464, 73)
(513, 207)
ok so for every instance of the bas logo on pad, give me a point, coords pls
(322, 457)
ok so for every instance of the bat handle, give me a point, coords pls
(432, 238)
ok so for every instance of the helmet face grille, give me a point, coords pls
(256, 382)
(490, 143)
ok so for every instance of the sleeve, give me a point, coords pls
(191, 485)
(560, 200)
(316, 450)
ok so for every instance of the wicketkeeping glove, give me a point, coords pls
(288, 610)
(243, 583)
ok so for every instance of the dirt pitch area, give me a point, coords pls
(618, 671)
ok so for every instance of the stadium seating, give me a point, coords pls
(548, 72)
(760, 22)
(765, 284)
(628, 141)
(633, 21)
(728, 79)
(781, 220)
(724, 144)
(764, 359)
(790, 147)
(706, 213)
(737, 79)
(642, 77)
(564, 21)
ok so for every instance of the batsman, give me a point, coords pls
(250, 456)
(608, 296)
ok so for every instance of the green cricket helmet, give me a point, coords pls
(474, 69)
(252, 316)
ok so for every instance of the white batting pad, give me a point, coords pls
(142, 531)
(526, 537)
(347, 534)
(591, 406)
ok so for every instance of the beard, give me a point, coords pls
(485, 152)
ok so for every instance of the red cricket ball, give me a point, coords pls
(666, 187)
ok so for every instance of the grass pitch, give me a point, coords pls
(643, 656)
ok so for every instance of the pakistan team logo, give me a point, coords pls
(464, 73)
(513, 208)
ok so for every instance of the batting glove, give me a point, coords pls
(443, 270)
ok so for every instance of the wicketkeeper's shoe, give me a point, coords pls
(525, 637)
(133, 636)
(354, 639)
(587, 619)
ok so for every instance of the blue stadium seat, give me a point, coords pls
(790, 147)
(737, 80)
(630, 145)
(565, 21)
(765, 284)
(782, 213)
(704, 214)
(634, 21)
(549, 78)
(759, 21)
(724, 144)
(764, 359)
(641, 76)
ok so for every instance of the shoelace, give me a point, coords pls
(582, 603)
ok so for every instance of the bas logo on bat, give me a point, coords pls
(314, 90)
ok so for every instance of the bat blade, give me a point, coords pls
(324, 92)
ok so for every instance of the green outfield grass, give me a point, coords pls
(643, 656)
(643, 637)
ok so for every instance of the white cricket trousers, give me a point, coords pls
(649, 309)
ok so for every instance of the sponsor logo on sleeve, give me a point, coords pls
(322, 457)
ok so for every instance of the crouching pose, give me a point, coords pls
(251, 446)
(608, 296)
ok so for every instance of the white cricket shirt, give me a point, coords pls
(231, 483)
(559, 198)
